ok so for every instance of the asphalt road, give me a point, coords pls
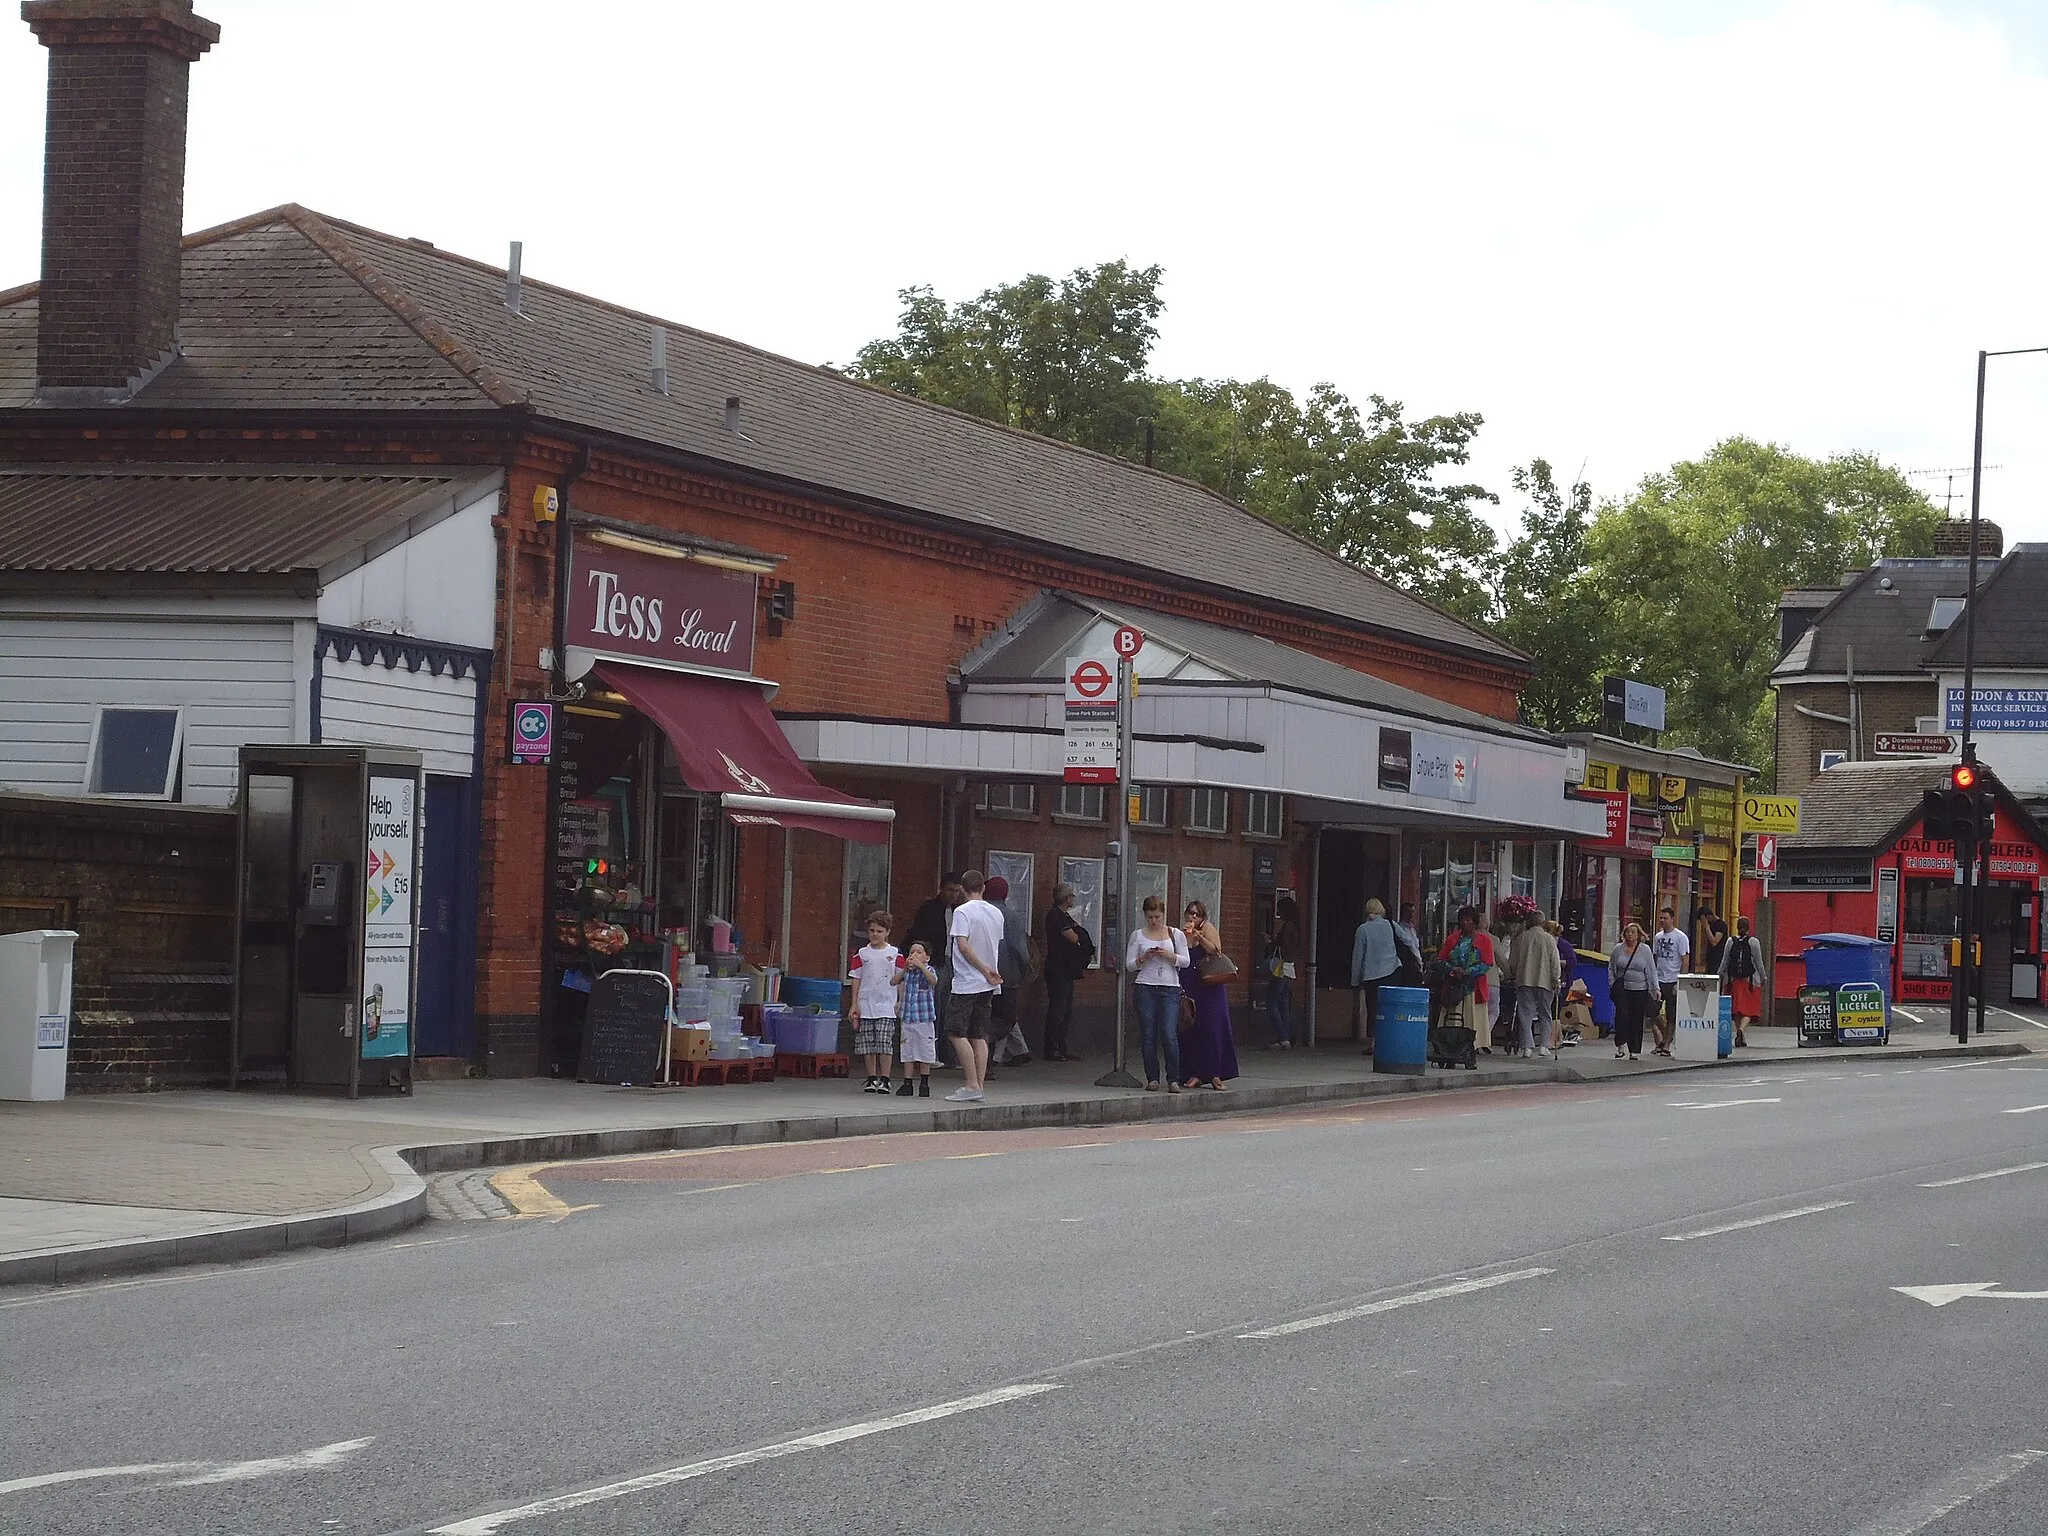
(1665, 1306)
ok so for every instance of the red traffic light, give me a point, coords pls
(1963, 776)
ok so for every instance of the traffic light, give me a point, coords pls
(1963, 776)
(1937, 815)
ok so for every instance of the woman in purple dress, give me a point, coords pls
(1208, 1054)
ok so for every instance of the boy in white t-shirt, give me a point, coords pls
(874, 1002)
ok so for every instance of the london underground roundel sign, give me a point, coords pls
(1092, 680)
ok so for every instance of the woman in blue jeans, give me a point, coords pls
(1154, 959)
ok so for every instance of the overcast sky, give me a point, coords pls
(1618, 230)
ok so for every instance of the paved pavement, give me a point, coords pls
(134, 1180)
(1667, 1306)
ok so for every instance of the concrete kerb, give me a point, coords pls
(405, 1203)
(402, 1205)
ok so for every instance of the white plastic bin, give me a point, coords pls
(35, 1012)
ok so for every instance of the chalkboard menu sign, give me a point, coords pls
(1816, 1015)
(623, 1029)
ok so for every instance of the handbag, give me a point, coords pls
(1217, 969)
(1187, 1013)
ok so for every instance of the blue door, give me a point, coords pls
(447, 922)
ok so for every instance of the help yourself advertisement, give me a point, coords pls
(388, 868)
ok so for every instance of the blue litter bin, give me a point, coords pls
(1592, 970)
(1400, 1040)
(1833, 958)
(1726, 1043)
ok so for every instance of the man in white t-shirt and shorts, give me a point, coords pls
(976, 942)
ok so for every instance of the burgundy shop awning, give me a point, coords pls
(728, 744)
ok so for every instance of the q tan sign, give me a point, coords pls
(1771, 813)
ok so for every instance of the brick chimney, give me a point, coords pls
(1952, 538)
(113, 192)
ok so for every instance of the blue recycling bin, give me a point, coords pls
(1400, 1039)
(1834, 958)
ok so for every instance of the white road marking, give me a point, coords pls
(1391, 1303)
(1907, 1013)
(2027, 1110)
(1723, 1103)
(272, 1466)
(496, 1520)
(1995, 1173)
(1984, 1290)
(84, 1474)
(1950, 1495)
(2009, 1014)
(1756, 1221)
(203, 1471)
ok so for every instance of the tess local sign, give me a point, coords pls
(637, 606)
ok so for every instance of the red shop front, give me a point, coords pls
(1900, 886)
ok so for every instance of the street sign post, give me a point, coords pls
(1128, 643)
(1902, 744)
(1093, 692)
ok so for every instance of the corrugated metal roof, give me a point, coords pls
(205, 518)
(289, 310)
(1038, 649)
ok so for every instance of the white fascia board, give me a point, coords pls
(212, 608)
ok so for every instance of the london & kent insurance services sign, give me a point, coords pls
(647, 607)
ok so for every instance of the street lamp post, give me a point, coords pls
(1966, 849)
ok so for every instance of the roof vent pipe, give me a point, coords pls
(512, 279)
(732, 414)
(657, 359)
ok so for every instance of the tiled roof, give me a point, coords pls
(206, 518)
(1866, 805)
(1887, 625)
(2012, 618)
(291, 311)
(1038, 648)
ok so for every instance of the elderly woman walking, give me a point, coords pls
(1375, 958)
(1632, 981)
(1533, 964)
(1208, 1053)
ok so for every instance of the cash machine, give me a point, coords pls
(327, 921)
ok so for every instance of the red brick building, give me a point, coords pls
(909, 581)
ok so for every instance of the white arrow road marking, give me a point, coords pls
(2028, 1110)
(1995, 1173)
(1413, 1298)
(203, 1471)
(271, 1466)
(1722, 1103)
(1942, 1295)
(84, 1474)
(488, 1524)
(1950, 1495)
(1756, 1221)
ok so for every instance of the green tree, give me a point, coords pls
(1548, 603)
(1063, 358)
(1691, 567)
(1068, 359)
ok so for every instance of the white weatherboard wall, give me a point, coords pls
(233, 678)
(367, 704)
(440, 583)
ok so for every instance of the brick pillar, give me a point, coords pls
(113, 191)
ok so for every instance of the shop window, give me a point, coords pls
(1265, 814)
(1016, 798)
(1080, 802)
(1208, 810)
(1153, 804)
(136, 753)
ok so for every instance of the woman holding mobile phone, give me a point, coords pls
(1154, 958)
